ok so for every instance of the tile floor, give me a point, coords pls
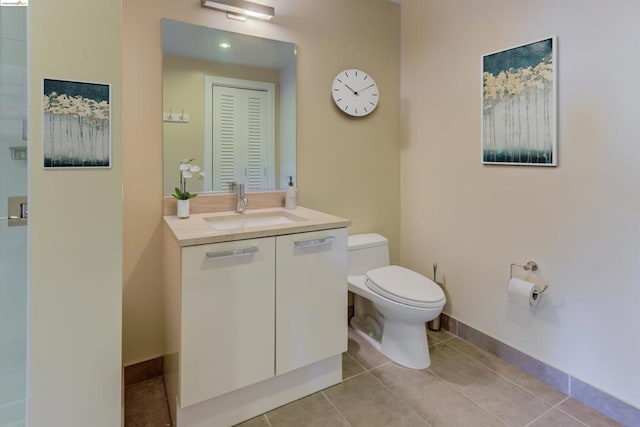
(464, 386)
(145, 404)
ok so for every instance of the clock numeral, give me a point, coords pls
(356, 111)
(356, 73)
(338, 100)
(346, 74)
(336, 89)
(365, 109)
(339, 80)
(365, 78)
(346, 108)
(372, 103)
(374, 94)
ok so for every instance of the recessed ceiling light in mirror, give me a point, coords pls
(225, 45)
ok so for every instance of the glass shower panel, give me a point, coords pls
(13, 209)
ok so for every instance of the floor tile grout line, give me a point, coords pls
(502, 376)
(569, 377)
(557, 407)
(552, 405)
(355, 375)
(562, 401)
(470, 398)
(568, 394)
(538, 417)
(399, 397)
(447, 382)
(433, 338)
(364, 367)
(440, 339)
(356, 360)
(379, 366)
(336, 409)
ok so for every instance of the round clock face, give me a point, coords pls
(355, 92)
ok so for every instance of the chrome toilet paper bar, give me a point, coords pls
(529, 266)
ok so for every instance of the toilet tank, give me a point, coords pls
(366, 252)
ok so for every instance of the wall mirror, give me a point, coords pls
(229, 103)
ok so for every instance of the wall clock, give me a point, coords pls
(355, 92)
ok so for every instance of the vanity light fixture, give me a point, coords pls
(241, 9)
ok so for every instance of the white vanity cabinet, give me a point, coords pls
(311, 304)
(252, 324)
(228, 307)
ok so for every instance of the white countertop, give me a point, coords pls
(198, 229)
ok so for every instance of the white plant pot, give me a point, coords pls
(183, 208)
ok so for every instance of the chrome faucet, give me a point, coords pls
(242, 201)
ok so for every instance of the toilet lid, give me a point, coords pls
(405, 286)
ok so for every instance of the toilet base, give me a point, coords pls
(405, 344)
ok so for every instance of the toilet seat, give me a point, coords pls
(405, 286)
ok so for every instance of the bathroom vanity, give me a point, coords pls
(256, 309)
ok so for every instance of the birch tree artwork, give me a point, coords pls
(76, 126)
(518, 105)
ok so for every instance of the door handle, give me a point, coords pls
(314, 242)
(234, 252)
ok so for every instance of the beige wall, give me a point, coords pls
(578, 221)
(182, 90)
(348, 167)
(75, 243)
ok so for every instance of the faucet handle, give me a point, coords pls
(232, 186)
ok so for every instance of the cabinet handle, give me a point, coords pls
(234, 252)
(314, 242)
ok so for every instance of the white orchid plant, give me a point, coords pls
(187, 170)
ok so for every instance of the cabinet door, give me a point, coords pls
(311, 298)
(227, 317)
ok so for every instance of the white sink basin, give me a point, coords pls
(252, 220)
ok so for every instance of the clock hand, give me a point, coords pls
(362, 90)
(354, 92)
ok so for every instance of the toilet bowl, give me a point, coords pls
(391, 303)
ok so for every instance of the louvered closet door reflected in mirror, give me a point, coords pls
(242, 143)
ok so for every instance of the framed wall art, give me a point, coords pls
(519, 88)
(76, 125)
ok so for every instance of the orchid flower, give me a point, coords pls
(187, 170)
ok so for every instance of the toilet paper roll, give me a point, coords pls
(524, 293)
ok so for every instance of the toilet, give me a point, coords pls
(391, 303)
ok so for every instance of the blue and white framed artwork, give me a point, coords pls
(519, 88)
(76, 125)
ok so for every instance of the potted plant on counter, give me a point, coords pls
(187, 170)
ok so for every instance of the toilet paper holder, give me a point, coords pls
(529, 266)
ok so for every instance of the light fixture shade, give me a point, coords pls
(242, 7)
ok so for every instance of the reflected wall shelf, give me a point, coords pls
(18, 153)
